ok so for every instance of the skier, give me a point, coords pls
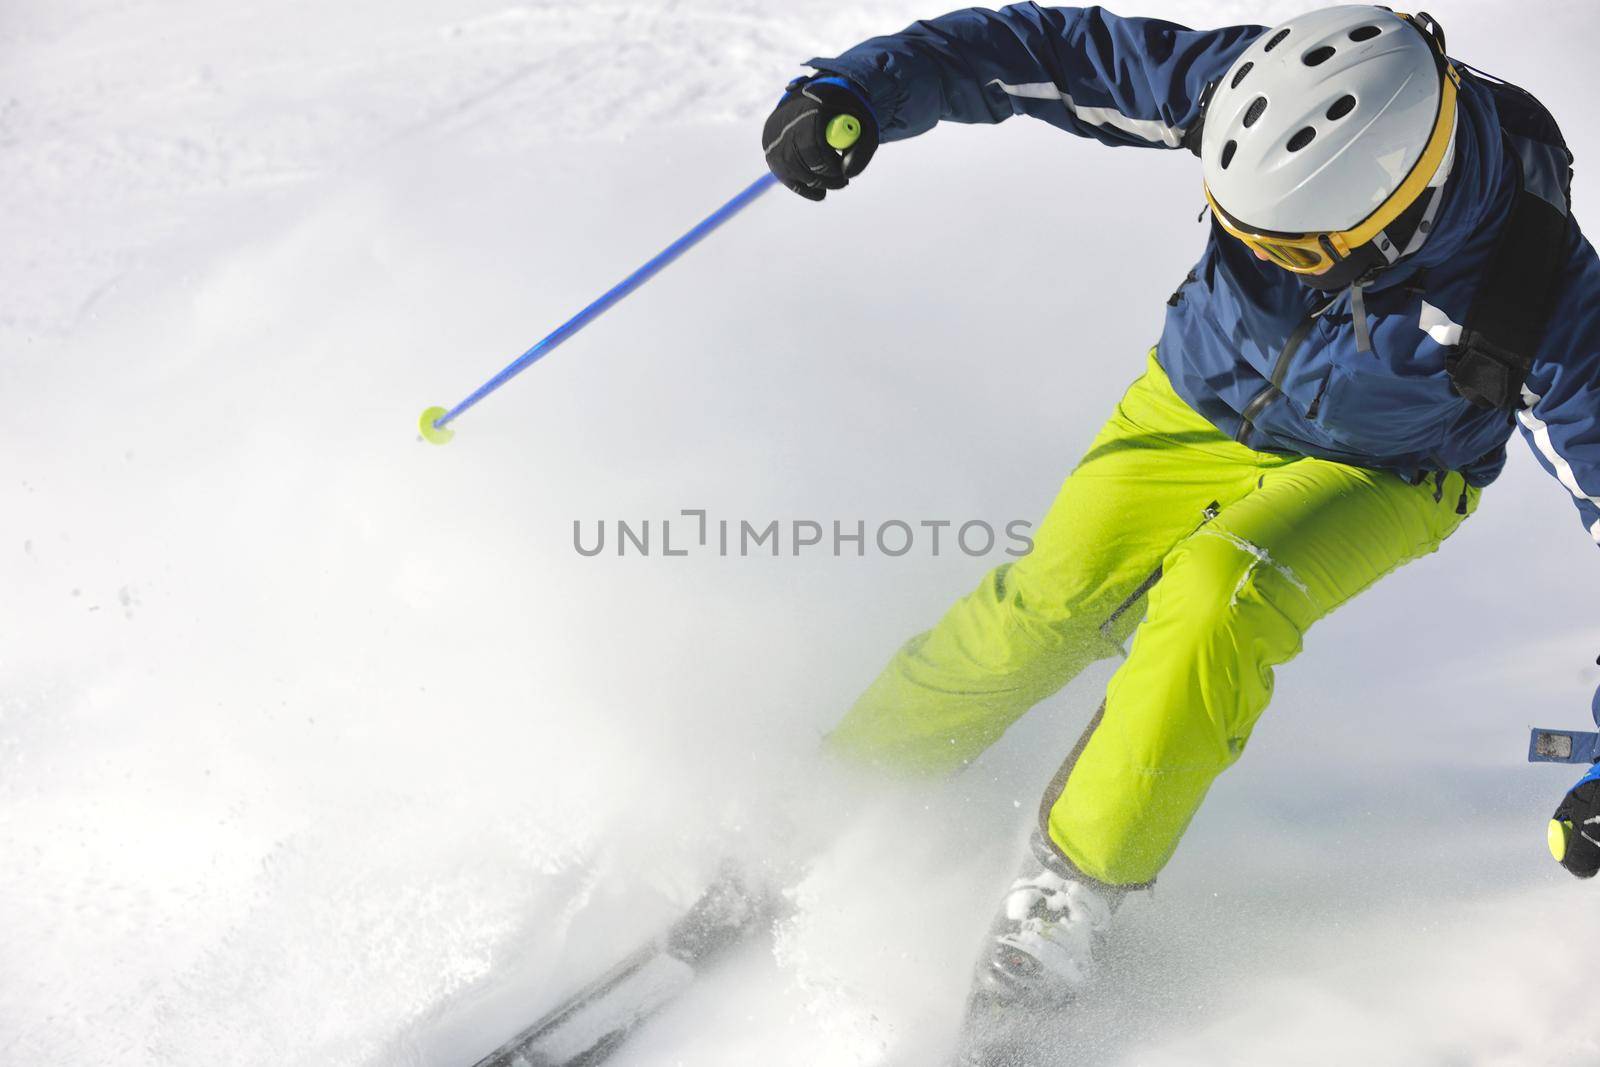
(1392, 280)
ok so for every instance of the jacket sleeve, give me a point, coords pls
(1562, 418)
(1123, 81)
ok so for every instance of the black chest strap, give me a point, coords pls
(1507, 320)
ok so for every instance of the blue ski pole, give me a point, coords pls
(841, 133)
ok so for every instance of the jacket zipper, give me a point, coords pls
(1280, 371)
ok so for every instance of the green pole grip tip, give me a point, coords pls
(437, 435)
(843, 132)
(1556, 836)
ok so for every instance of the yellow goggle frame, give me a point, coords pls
(1313, 253)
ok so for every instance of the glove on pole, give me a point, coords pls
(821, 134)
(1575, 827)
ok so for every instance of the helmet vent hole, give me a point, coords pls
(1244, 69)
(1227, 153)
(1318, 56)
(1277, 39)
(1257, 106)
(1301, 139)
(1341, 107)
(1364, 33)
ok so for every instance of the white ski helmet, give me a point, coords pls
(1325, 130)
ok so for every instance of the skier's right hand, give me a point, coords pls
(1575, 827)
(795, 137)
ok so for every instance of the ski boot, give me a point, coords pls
(1048, 936)
(1043, 951)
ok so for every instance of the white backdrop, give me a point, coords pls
(321, 746)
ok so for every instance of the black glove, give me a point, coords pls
(795, 137)
(1575, 827)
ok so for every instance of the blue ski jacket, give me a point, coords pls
(1136, 81)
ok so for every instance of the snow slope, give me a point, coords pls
(319, 746)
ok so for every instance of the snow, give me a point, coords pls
(1258, 556)
(321, 746)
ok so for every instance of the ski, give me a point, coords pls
(591, 1024)
(993, 1034)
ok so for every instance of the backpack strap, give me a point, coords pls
(1191, 138)
(1508, 316)
(1506, 322)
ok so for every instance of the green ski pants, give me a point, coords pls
(1293, 538)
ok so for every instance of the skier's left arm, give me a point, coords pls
(1561, 419)
(1562, 424)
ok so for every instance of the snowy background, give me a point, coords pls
(321, 746)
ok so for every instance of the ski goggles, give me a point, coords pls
(1315, 253)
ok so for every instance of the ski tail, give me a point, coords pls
(593, 1022)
